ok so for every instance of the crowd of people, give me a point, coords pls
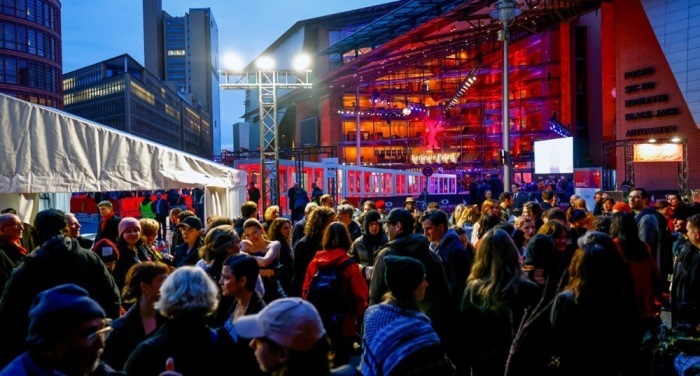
(506, 286)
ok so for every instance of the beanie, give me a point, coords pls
(50, 222)
(369, 217)
(58, 310)
(403, 275)
(127, 222)
(623, 207)
(107, 250)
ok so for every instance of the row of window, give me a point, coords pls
(41, 12)
(28, 73)
(93, 93)
(28, 40)
(34, 98)
(81, 80)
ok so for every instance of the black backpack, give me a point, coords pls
(328, 294)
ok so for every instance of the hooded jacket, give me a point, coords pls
(354, 283)
(434, 305)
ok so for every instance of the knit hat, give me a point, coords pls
(107, 250)
(50, 222)
(369, 217)
(128, 222)
(58, 310)
(623, 207)
(402, 275)
(293, 323)
(541, 252)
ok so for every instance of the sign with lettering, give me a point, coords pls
(330, 167)
(434, 158)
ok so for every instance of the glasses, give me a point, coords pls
(18, 225)
(103, 333)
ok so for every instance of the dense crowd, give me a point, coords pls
(505, 285)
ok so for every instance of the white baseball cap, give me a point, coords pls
(293, 323)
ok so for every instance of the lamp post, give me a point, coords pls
(505, 12)
(267, 80)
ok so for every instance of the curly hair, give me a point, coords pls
(270, 211)
(317, 222)
(274, 233)
(216, 241)
(188, 290)
(149, 227)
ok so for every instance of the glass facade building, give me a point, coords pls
(123, 95)
(30, 51)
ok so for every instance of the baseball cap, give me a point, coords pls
(398, 215)
(293, 323)
(191, 222)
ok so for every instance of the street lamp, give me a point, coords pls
(266, 79)
(505, 12)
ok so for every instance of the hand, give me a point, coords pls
(170, 368)
(368, 272)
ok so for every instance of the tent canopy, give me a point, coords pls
(46, 151)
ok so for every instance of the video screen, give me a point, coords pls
(554, 156)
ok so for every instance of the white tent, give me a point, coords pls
(43, 150)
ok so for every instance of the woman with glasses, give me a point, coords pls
(142, 290)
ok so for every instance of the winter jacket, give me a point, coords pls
(353, 280)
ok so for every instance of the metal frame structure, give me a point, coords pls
(628, 153)
(267, 82)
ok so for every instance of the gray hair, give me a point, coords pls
(188, 289)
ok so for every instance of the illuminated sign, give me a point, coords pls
(176, 52)
(658, 153)
(434, 158)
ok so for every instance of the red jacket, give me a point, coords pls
(352, 276)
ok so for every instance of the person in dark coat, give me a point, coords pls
(109, 223)
(496, 185)
(300, 201)
(253, 193)
(298, 230)
(67, 331)
(365, 248)
(403, 242)
(58, 260)
(162, 210)
(306, 247)
(188, 297)
(142, 290)
(187, 253)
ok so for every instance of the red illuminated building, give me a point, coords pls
(418, 83)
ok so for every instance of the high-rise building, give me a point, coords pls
(122, 94)
(184, 53)
(30, 51)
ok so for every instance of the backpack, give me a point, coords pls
(328, 294)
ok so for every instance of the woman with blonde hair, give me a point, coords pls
(495, 300)
(469, 216)
(272, 212)
(149, 232)
(454, 217)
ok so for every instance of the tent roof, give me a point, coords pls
(45, 150)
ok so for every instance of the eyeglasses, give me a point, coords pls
(103, 333)
(18, 225)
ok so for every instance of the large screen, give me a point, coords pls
(554, 156)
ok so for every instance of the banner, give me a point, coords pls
(658, 153)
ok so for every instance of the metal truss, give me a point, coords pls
(610, 148)
(267, 82)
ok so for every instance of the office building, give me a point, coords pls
(184, 53)
(122, 94)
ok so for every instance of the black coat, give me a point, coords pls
(196, 349)
(127, 334)
(183, 257)
(304, 252)
(59, 260)
(111, 230)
